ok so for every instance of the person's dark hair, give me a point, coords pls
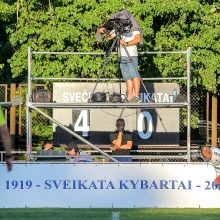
(120, 124)
(72, 146)
(46, 142)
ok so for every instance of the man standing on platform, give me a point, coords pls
(6, 140)
(128, 39)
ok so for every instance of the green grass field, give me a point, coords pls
(102, 214)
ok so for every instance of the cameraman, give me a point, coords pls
(128, 39)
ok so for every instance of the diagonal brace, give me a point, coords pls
(71, 132)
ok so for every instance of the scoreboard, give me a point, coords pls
(148, 126)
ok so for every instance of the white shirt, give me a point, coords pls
(83, 157)
(215, 160)
(132, 50)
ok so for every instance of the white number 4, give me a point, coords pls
(84, 127)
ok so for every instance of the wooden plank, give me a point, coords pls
(214, 119)
(13, 115)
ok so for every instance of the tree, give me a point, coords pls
(69, 25)
(194, 25)
(6, 19)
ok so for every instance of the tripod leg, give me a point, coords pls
(131, 60)
(119, 60)
(105, 63)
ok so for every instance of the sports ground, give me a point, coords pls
(100, 214)
(109, 109)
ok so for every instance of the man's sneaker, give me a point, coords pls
(135, 99)
(128, 100)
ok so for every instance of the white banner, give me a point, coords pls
(108, 185)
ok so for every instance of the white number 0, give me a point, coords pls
(147, 134)
(84, 127)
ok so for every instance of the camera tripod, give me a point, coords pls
(116, 42)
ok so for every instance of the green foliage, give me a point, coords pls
(6, 19)
(106, 213)
(42, 128)
(70, 25)
(197, 26)
(193, 120)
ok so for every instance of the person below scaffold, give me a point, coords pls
(77, 156)
(121, 142)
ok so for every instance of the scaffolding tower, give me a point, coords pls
(30, 105)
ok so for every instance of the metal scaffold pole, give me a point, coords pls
(28, 109)
(188, 55)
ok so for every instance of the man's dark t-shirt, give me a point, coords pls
(127, 136)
